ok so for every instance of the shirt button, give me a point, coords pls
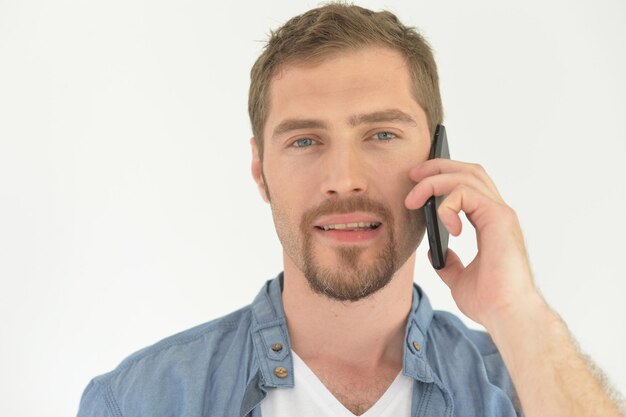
(280, 372)
(417, 346)
(277, 347)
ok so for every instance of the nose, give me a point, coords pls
(344, 172)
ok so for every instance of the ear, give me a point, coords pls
(257, 171)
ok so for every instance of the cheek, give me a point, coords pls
(396, 187)
(289, 197)
(396, 183)
(292, 185)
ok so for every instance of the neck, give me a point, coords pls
(367, 332)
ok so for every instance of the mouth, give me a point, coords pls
(351, 227)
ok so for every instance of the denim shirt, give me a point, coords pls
(225, 367)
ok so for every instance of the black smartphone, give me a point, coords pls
(437, 233)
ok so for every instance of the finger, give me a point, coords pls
(434, 167)
(444, 184)
(441, 166)
(453, 269)
(450, 219)
(480, 209)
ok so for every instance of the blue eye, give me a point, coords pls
(385, 136)
(303, 142)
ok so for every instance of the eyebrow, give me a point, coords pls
(295, 124)
(389, 115)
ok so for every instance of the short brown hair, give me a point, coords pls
(314, 35)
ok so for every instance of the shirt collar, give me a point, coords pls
(416, 342)
(272, 347)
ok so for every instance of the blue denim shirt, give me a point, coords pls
(225, 367)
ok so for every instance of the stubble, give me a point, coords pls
(353, 276)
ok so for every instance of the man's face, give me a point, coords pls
(339, 141)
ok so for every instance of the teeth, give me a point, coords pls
(359, 225)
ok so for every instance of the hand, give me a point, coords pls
(499, 279)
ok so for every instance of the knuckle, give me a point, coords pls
(478, 170)
(508, 213)
(463, 189)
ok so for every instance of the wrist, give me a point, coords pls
(526, 335)
(522, 314)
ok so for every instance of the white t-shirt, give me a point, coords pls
(310, 398)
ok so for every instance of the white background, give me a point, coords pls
(127, 211)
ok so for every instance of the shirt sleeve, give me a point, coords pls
(94, 402)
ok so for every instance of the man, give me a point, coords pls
(343, 104)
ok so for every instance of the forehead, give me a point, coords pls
(341, 85)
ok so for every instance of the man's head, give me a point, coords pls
(335, 28)
(340, 115)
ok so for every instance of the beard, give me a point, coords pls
(353, 277)
(352, 280)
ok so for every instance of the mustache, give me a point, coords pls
(346, 205)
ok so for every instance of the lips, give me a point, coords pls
(349, 228)
(349, 222)
(356, 226)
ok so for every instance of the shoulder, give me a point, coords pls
(447, 325)
(200, 344)
(450, 334)
(179, 366)
(460, 355)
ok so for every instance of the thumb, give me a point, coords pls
(451, 273)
